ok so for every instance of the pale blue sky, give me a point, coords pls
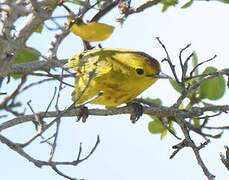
(129, 151)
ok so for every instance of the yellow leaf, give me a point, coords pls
(91, 32)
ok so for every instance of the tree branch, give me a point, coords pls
(198, 83)
(157, 111)
(190, 143)
(10, 45)
(53, 164)
(26, 68)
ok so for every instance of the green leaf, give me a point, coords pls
(16, 76)
(196, 122)
(167, 4)
(214, 88)
(224, 1)
(188, 4)
(39, 29)
(195, 62)
(164, 8)
(25, 56)
(175, 85)
(156, 127)
(207, 104)
(154, 101)
(121, 21)
(163, 134)
(78, 2)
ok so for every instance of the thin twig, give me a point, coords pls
(178, 147)
(169, 129)
(59, 114)
(225, 160)
(191, 73)
(37, 119)
(56, 41)
(184, 67)
(9, 102)
(195, 149)
(194, 86)
(62, 174)
(50, 103)
(35, 83)
(199, 130)
(53, 164)
(172, 67)
(47, 139)
(40, 120)
(57, 121)
(91, 152)
(202, 145)
(105, 10)
(144, 6)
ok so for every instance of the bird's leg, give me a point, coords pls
(83, 113)
(136, 111)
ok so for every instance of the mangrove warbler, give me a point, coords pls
(92, 31)
(120, 74)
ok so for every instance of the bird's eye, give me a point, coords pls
(81, 56)
(140, 71)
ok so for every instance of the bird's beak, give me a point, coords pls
(159, 76)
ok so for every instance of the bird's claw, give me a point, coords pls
(136, 111)
(83, 114)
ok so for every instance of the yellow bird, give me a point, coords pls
(120, 74)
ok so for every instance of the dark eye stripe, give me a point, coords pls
(140, 71)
